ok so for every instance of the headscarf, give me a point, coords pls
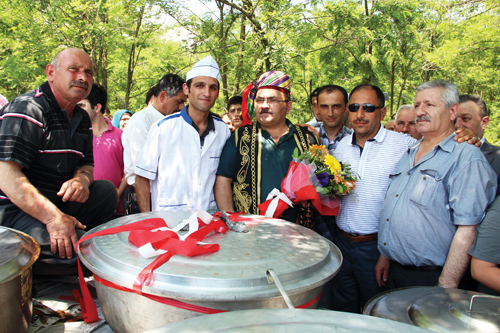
(205, 67)
(269, 80)
(117, 116)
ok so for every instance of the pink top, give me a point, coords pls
(108, 157)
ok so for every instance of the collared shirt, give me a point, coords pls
(108, 155)
(37, 134)
(331, 145)
(451, 185)
(210, 127)
(182, 172)
(359, 211)
(275, 159)
(134, 137)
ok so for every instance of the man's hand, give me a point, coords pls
(465, 134)
(310, 128)
(382, 270)
(63, 236)
(74, 190)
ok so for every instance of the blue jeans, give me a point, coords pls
(355, 284)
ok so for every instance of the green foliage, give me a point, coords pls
(394, 44)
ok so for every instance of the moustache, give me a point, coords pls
(80, 84)
(359, 121)
(423, 118)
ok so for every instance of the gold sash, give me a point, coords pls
(246, 186)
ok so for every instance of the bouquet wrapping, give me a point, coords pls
(318, 177)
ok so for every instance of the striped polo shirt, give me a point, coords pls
(359, 211)
(37, 134)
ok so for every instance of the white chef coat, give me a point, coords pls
(181, 170)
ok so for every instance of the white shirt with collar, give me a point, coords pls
(182, 172)
(359, 211)
(134, 137)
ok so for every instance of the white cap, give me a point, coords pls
(205, 67)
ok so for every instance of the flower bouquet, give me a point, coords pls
(315, 176)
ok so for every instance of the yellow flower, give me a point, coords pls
(332, 163)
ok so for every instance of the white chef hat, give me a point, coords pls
(205, 67)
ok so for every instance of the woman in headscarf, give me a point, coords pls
(120, 118)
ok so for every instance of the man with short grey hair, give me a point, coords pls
(47, 188)
(427, 224)
(405, 121)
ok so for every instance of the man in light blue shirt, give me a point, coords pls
(437, 196)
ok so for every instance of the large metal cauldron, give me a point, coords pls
(18, 252)
(234, 278)
(289, 321)
(438, 309)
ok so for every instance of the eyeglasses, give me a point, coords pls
(367, 107)
(271, 101)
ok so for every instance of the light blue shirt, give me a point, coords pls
(451, 185)
(331, 145)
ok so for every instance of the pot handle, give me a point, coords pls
(273, 277)
(480, 296)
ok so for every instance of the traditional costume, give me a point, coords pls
(253, 160)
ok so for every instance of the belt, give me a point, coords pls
(418, 268)
(357, 238)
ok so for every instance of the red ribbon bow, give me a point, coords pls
(141, 234)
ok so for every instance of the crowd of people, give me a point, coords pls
(423, 205)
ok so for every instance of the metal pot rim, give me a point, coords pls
(19, 252)
(232, 279)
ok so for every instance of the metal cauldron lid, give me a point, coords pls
(287, 320)
(301, 258)
(18, 251)
(438, 309)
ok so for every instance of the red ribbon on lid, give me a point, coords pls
(140, 234)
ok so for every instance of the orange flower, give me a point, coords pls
(318, 150)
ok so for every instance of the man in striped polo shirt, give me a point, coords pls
(373, 153)
(46, 164)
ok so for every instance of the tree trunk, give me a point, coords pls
(132, 60)
(222, 57)
(241, 50)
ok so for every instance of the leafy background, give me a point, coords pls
(391, 43)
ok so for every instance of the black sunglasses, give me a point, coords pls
(367, 107)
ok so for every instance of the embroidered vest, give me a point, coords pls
(246, 185)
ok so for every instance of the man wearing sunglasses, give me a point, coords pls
(373, 153)
(436, 199)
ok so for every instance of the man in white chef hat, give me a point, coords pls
(182, 152)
